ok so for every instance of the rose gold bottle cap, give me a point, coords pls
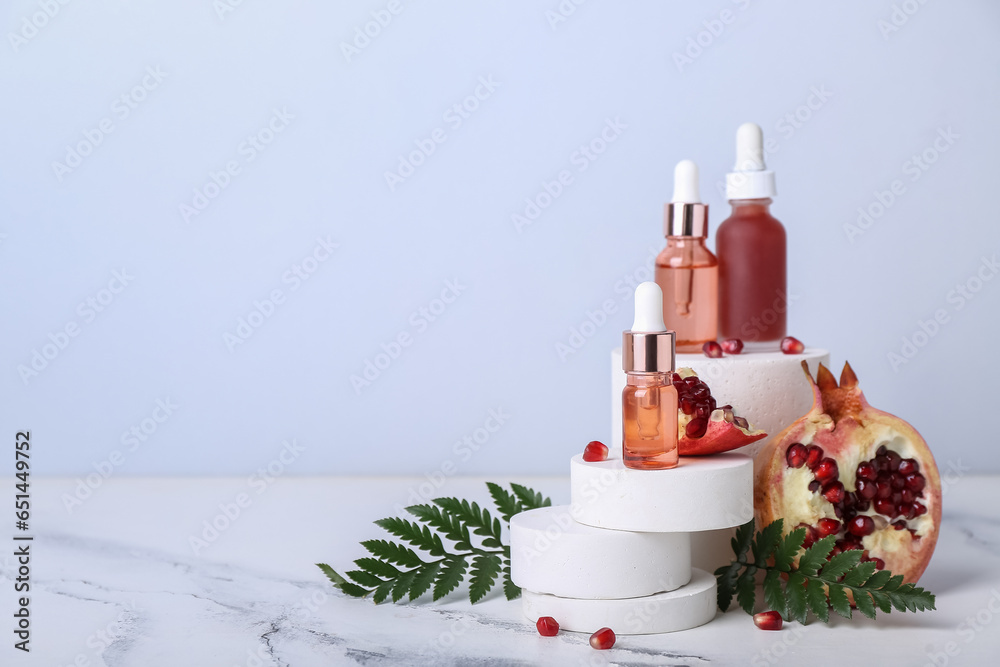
(648, 347)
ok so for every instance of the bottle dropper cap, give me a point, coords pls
(750, 178)
(685, 215)
(648, 347)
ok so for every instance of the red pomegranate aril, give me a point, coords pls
(814, 486)
(919, 509)
(796, 455)
(687, 405)
(603, 639)
(828, 527)
(595, 451)
(897, 482)
(882, 463)
(899, 525)
(791, 345)
(712, 349)
(862, 526)
(907, 466)
(907, 496)
(547, 626)
(867, 471)
(862, 505)
(883, 489)
(814, 455)
(767, 620)
(811, 535)
(826, 470)
(732, 346)
(866, 489)
(881, 450)
(879, 563)
(887, 507)
(906, 510)
(696, 427)
(894, 460)
(834, 492)
(915, 482)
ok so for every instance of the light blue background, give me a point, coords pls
(494, 347)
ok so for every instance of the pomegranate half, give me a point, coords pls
(849, 470)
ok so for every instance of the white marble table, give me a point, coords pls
(117, 582)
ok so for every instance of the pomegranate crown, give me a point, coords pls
(838, 401)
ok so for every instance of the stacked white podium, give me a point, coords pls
(619, 555)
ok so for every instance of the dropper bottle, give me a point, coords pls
(753, 299)
(649, 400)
(686, 270)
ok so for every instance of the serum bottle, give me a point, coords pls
(649, 400)
(687, 271)
(753, 302)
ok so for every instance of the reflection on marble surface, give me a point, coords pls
(116, 583)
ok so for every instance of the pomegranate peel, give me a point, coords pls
(865, 461)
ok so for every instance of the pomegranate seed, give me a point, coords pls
(882, 463)
(767, 620)
(906, 510)
(867, 471)
(862, 505)
(732, 346)
(811, 535)
(862, 526)
(603, 639)
(897, 482)
(881, 451)
(883, 489)
(826, 470)
(907, 496)
(919, 509)
(696, 427)
(814, 486)
(866, 489)
(828, 527)
(838, 511)
(814, 454)
(595, 451)
(879, 563)
(796, 455)
(907, 466)
(713, 350)
(887, 507)
(547, 626)
(791, 345)
(687, 405)
(899, 525)
(915, 482)
(894, 460)
(834, 492)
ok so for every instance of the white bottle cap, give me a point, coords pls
(686, 183)
(750, 178)
(648, 309)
